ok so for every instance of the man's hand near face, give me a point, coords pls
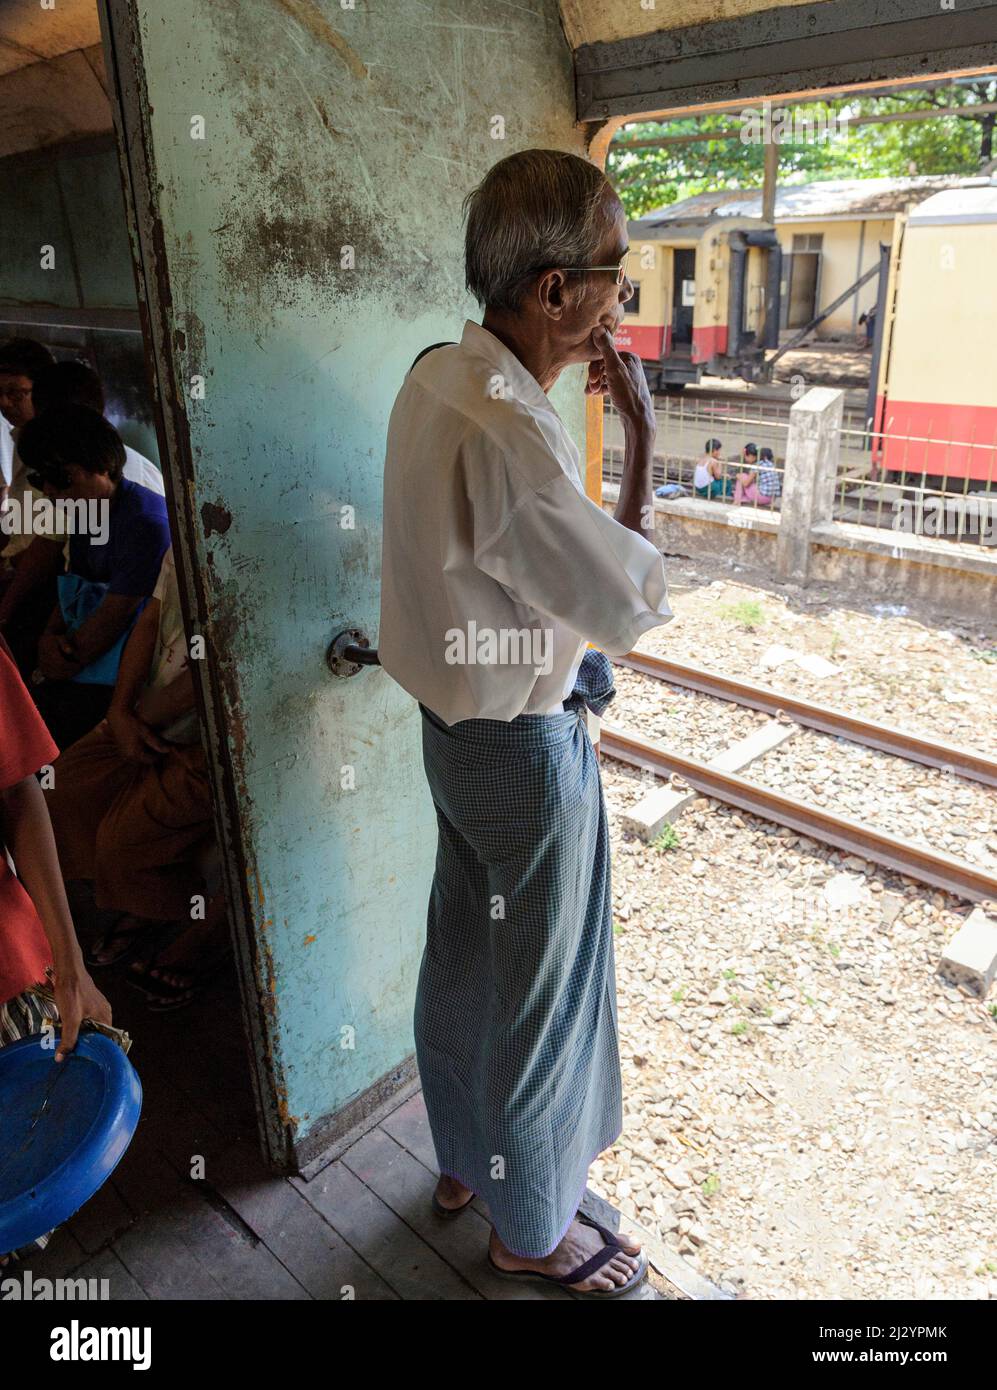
(620, 376)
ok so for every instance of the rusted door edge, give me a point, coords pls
(123, 55)
(903, 857)
(967, 762)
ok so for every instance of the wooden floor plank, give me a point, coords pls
(180, 1228)
(294, 1230)
(409, 1126)
(60, 1257)
(406, 1186)
(121, 1287)
(101, 1220)
(399, 1256)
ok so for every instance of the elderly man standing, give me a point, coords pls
(496, 571)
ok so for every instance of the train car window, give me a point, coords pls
(632, 305)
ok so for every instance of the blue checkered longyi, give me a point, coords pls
(515, 1016)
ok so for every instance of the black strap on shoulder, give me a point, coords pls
(432, 348)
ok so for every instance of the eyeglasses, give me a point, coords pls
(620, 267)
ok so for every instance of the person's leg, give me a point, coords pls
(147, 842)
(176, 974)
(516, 1011)
(460, 885)
(86, 781)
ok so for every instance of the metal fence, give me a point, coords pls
(925, 485)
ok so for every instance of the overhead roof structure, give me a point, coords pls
(632, 59)
(857, 199)
(52, 82)
(973, 204)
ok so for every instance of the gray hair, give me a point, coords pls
(532, 211)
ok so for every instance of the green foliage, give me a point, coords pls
(748, 614)
(956, 144)
(668, 839)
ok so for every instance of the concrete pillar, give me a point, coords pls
(808, 485)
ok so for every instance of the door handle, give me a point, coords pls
(349, 652)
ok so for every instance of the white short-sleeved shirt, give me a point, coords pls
(496, 567)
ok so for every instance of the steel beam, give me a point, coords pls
(902, 856)
(781, 50)
(967, 762)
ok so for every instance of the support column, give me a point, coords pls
(811, 471)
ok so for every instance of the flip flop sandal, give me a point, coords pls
(133, 942)
(595, 1262)
(448, 1213)
(164, 997)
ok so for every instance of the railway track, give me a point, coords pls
(917, 861)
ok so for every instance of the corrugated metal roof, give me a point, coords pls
(811, 201)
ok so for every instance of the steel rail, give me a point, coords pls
(946, 756)
(916, 861)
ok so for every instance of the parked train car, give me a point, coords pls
(706, 299)
(936, 399)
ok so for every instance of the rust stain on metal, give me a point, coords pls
(215, 518)
(310, 939)
(310, 17)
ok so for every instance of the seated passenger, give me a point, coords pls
(30, 592)
(76, 383)
(74, 454)
(131, 808)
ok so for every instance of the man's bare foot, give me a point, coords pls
(580, 1243)
(452, 1194)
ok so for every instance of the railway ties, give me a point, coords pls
(916, 861)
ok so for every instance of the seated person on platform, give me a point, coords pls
(29, 597)
(760, 485)
(708, 479)
(37, 940)
(131, 809)
(74, 453)
(769, 480)
(746, 481)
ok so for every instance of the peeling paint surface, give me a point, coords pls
(314, 246)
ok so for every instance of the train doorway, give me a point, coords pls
(132, 796)
(802, 274)
(683, 295)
